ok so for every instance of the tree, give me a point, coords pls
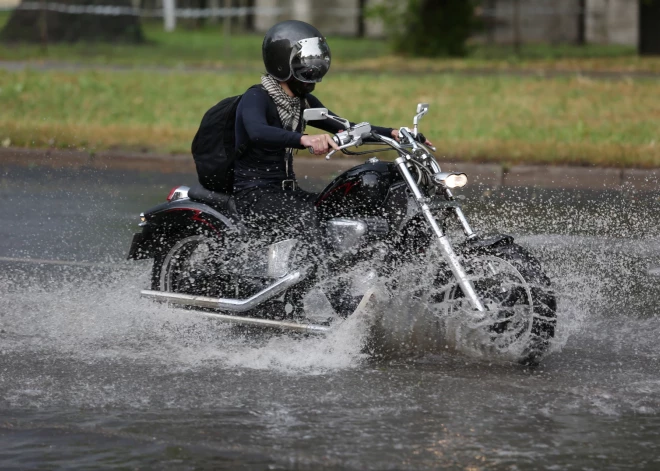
(429, 28)
(73, 21)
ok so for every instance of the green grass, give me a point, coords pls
(186, 47)
(207, 47)
(492, 118)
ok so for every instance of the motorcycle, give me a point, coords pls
(486, 290)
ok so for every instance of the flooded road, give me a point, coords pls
(93, 377)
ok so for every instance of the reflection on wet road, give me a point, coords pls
(91, 376)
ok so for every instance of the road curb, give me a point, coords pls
(488, 174)
(541, 73)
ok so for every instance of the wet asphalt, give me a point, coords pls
(93, 377)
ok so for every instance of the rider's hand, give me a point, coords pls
(395, 135)
(320, 143)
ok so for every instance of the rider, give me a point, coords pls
(269, 126)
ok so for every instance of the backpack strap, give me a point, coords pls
(303, 106)
(245, 147)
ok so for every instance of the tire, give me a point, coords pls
(173, 269)
(522, 324)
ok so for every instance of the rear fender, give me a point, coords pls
(168, 222)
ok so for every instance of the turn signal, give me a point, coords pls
(177, 193)
(171, 193)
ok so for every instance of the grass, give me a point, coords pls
(568, 120)
(206, 47)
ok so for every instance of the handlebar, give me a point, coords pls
(337, 141)
(416, 141)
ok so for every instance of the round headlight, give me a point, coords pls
(457, 180)
(450, 179)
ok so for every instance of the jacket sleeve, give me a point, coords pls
(253, 110)
(334, 127)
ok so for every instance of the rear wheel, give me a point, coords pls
(188, 266)
(205, 266)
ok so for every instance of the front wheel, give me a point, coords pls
(520, 318)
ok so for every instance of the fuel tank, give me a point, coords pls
(360, 191)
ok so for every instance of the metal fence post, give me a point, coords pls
(226, 28)
(169, 15)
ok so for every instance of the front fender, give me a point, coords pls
(438, 205)
(168, 222)
(480, 243)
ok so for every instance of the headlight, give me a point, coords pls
(451, 179)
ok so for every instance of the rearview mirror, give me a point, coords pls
(422, 109)
(315, 114)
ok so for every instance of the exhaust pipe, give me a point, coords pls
(239, 305)
(225, 304)
(268, 323)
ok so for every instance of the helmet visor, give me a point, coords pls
(310, 60)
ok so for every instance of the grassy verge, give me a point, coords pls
(206, 47)
(503, 119)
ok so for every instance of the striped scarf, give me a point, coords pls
(288, 107)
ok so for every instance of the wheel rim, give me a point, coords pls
(189, 267)
(506, 325)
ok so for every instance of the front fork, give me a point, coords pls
(445, 246)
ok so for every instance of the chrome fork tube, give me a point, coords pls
(469, 233)
(448, 251)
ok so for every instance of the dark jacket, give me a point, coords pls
(259, 129)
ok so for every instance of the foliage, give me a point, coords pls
(428, 28)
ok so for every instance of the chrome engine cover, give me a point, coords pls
(346, 234)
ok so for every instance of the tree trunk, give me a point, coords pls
(362, 27)
(517, 33)
(582, 23)
(28, 24)
(649, 33)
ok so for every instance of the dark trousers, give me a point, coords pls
(280, 213)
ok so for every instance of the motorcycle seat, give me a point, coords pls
(221, 202)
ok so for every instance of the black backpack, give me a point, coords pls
(214, 146)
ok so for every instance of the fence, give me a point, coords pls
(505, 21)
(170, 13)
(560, 21)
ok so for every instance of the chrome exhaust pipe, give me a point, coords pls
(240, 305)
(226, 304)
(267, 323)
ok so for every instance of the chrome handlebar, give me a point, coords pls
(349, 138)
(354, 135)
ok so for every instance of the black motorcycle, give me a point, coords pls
(383, 223)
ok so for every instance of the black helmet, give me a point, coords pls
(295, 49)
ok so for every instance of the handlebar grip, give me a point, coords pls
(310, 149)
(421, 138)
